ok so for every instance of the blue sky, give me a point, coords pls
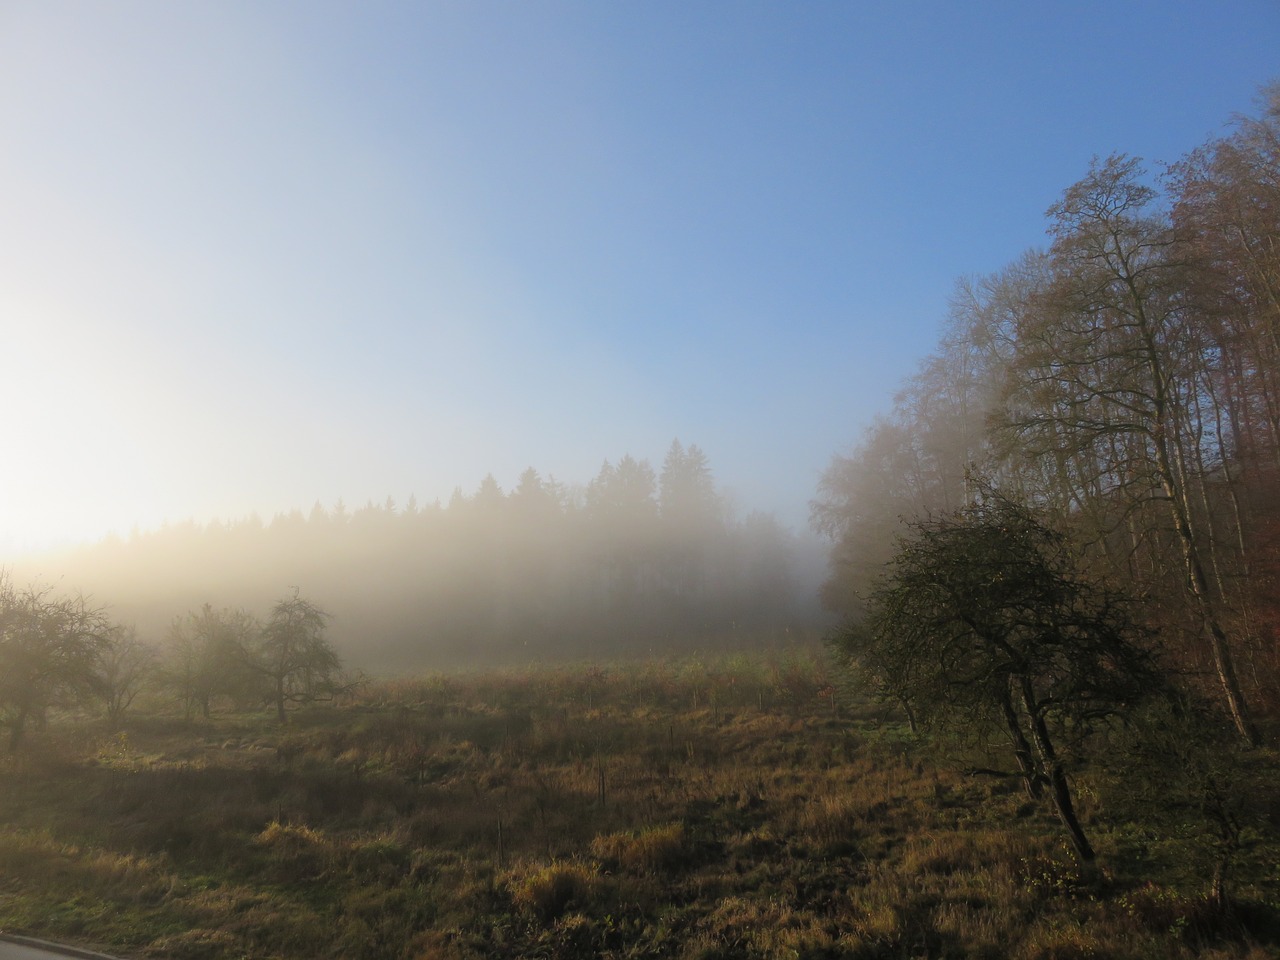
(259, 254)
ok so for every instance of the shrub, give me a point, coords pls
(298, 854)
(656, 849)
(548, 892)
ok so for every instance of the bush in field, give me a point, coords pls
(297, 854)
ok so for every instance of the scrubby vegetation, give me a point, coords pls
(730, 807)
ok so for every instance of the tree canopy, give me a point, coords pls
(1126, 381)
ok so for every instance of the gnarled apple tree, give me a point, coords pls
(984, 625)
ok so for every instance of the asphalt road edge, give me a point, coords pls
(58, 948)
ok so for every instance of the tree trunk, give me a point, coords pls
(18, 730)
(1057, 777)
(911, 716)
(1067, 814)
(1031, 778)
(1174, 485)
(1223, 662)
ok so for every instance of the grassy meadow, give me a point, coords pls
(698, 808)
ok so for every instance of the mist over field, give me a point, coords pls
(635, 562)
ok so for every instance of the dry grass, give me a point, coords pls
(681, 810)
(653, 850)
(547, 892)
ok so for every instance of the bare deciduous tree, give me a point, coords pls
(125, 668)
(206, 657)
(50, 647)
(295, 657)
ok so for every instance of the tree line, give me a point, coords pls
(1072, 506)
(62, 652)
(635, 560)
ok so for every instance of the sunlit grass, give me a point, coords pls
(715, 808)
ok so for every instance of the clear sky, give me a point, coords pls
(258, 254)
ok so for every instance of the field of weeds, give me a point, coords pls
(684, 809)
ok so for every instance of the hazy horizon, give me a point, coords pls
(574, 490)
(262, 255)
(641, 560)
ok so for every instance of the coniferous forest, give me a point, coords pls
(635, 561)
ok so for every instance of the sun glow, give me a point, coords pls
(75, 464)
